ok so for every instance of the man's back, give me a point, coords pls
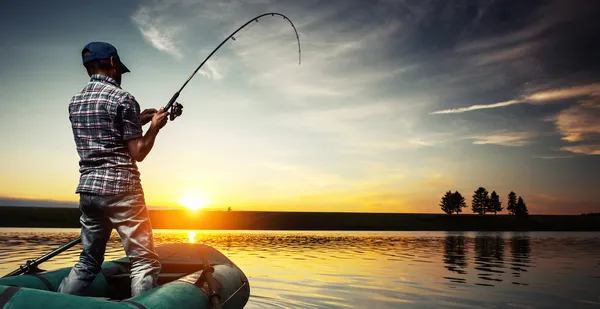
(103, 117)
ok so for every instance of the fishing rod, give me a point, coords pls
(176, 108)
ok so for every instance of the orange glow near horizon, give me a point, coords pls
(364, 196)
(194, 201)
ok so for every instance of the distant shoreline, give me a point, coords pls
(45, 217)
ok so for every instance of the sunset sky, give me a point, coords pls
(395, 102)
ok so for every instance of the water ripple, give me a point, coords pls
(298, 269)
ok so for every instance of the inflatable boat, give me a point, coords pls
(184, 282)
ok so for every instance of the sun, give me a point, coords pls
(194, 202)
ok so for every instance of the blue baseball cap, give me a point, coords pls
(101, 50)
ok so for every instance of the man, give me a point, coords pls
(107, 128)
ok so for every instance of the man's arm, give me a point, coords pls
(140, 147)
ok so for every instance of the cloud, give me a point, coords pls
(583, 149)
(421, 142)
(368, 128)
(499, 41)
(538, 97)
(553, 157)
(565, 93)
(515, 139)
(333, 67)
(211, 70)
(541, 19)
(579, 122)
(576, 123)
(505, 55)
(160, 36)
(476, 107)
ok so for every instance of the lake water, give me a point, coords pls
(377, 269)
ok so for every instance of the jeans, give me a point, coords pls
(128, 214)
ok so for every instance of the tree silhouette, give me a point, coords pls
(512, 203)
(480, 201)
(494, 205)
(458, 201)
(446, 203)
(453, 202)
(521, 208)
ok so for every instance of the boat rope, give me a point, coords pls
(176, 107)
(233, 294)
(43, 280)
(8, 294)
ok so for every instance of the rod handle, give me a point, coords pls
(175, 96)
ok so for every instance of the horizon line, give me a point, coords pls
(181, 208)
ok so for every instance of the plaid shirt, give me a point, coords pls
(103, 117)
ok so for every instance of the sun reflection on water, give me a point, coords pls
(192, 236)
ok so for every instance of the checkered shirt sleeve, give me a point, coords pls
(132, 127)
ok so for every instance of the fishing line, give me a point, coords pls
(176, 108)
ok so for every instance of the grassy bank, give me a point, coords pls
(250, 220)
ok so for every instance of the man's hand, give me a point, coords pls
(141, 146)
(147, 115)
(159, 119)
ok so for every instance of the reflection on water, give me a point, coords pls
(520, 248)
(489, 258)
(290, 269)
(455, 256)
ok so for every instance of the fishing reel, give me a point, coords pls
(176, 111)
